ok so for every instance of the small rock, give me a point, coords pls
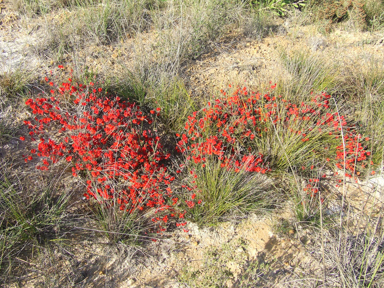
(130, 281)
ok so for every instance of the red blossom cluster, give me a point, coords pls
(225, 129)
(113, 145)
(354, 155)
(230, 128)
(109, 142)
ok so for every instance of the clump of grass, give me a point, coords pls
(188, 27)
(104, 23)
(26, 217)
(351, 255)
(374, 11)
(41, 7)
(14, 84)
(362, 90)
(247, 133)
(358, 261)
(308, 73)
(223, 193)
(305, 207)
(153, 90)
(258, 25)
(121, 226)
(185, 29)
(175, 102)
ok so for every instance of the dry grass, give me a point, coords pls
(351, 256)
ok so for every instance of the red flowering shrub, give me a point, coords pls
(268, 134)
(247, 128)
(114, 147)
(110, 143)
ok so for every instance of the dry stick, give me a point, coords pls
(344, 169)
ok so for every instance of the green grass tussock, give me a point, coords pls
(308, 73)
(27, 217)
(226, 194)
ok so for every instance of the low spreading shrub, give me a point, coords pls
(267, 134)
(251, 128)
(111, 144)
(116, 149)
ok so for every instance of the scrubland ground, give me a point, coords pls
(252, 229)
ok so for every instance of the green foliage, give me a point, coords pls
(225, 192)
(361, 14)
(362, 90)
(175, 102)
(26, 219)
(14, 84)
(120, 226)
(277, 7)
(170, 95)
(309, 73)
(101, 24)
(41, 7)
(6, 133)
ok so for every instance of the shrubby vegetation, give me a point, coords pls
(150, 158)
